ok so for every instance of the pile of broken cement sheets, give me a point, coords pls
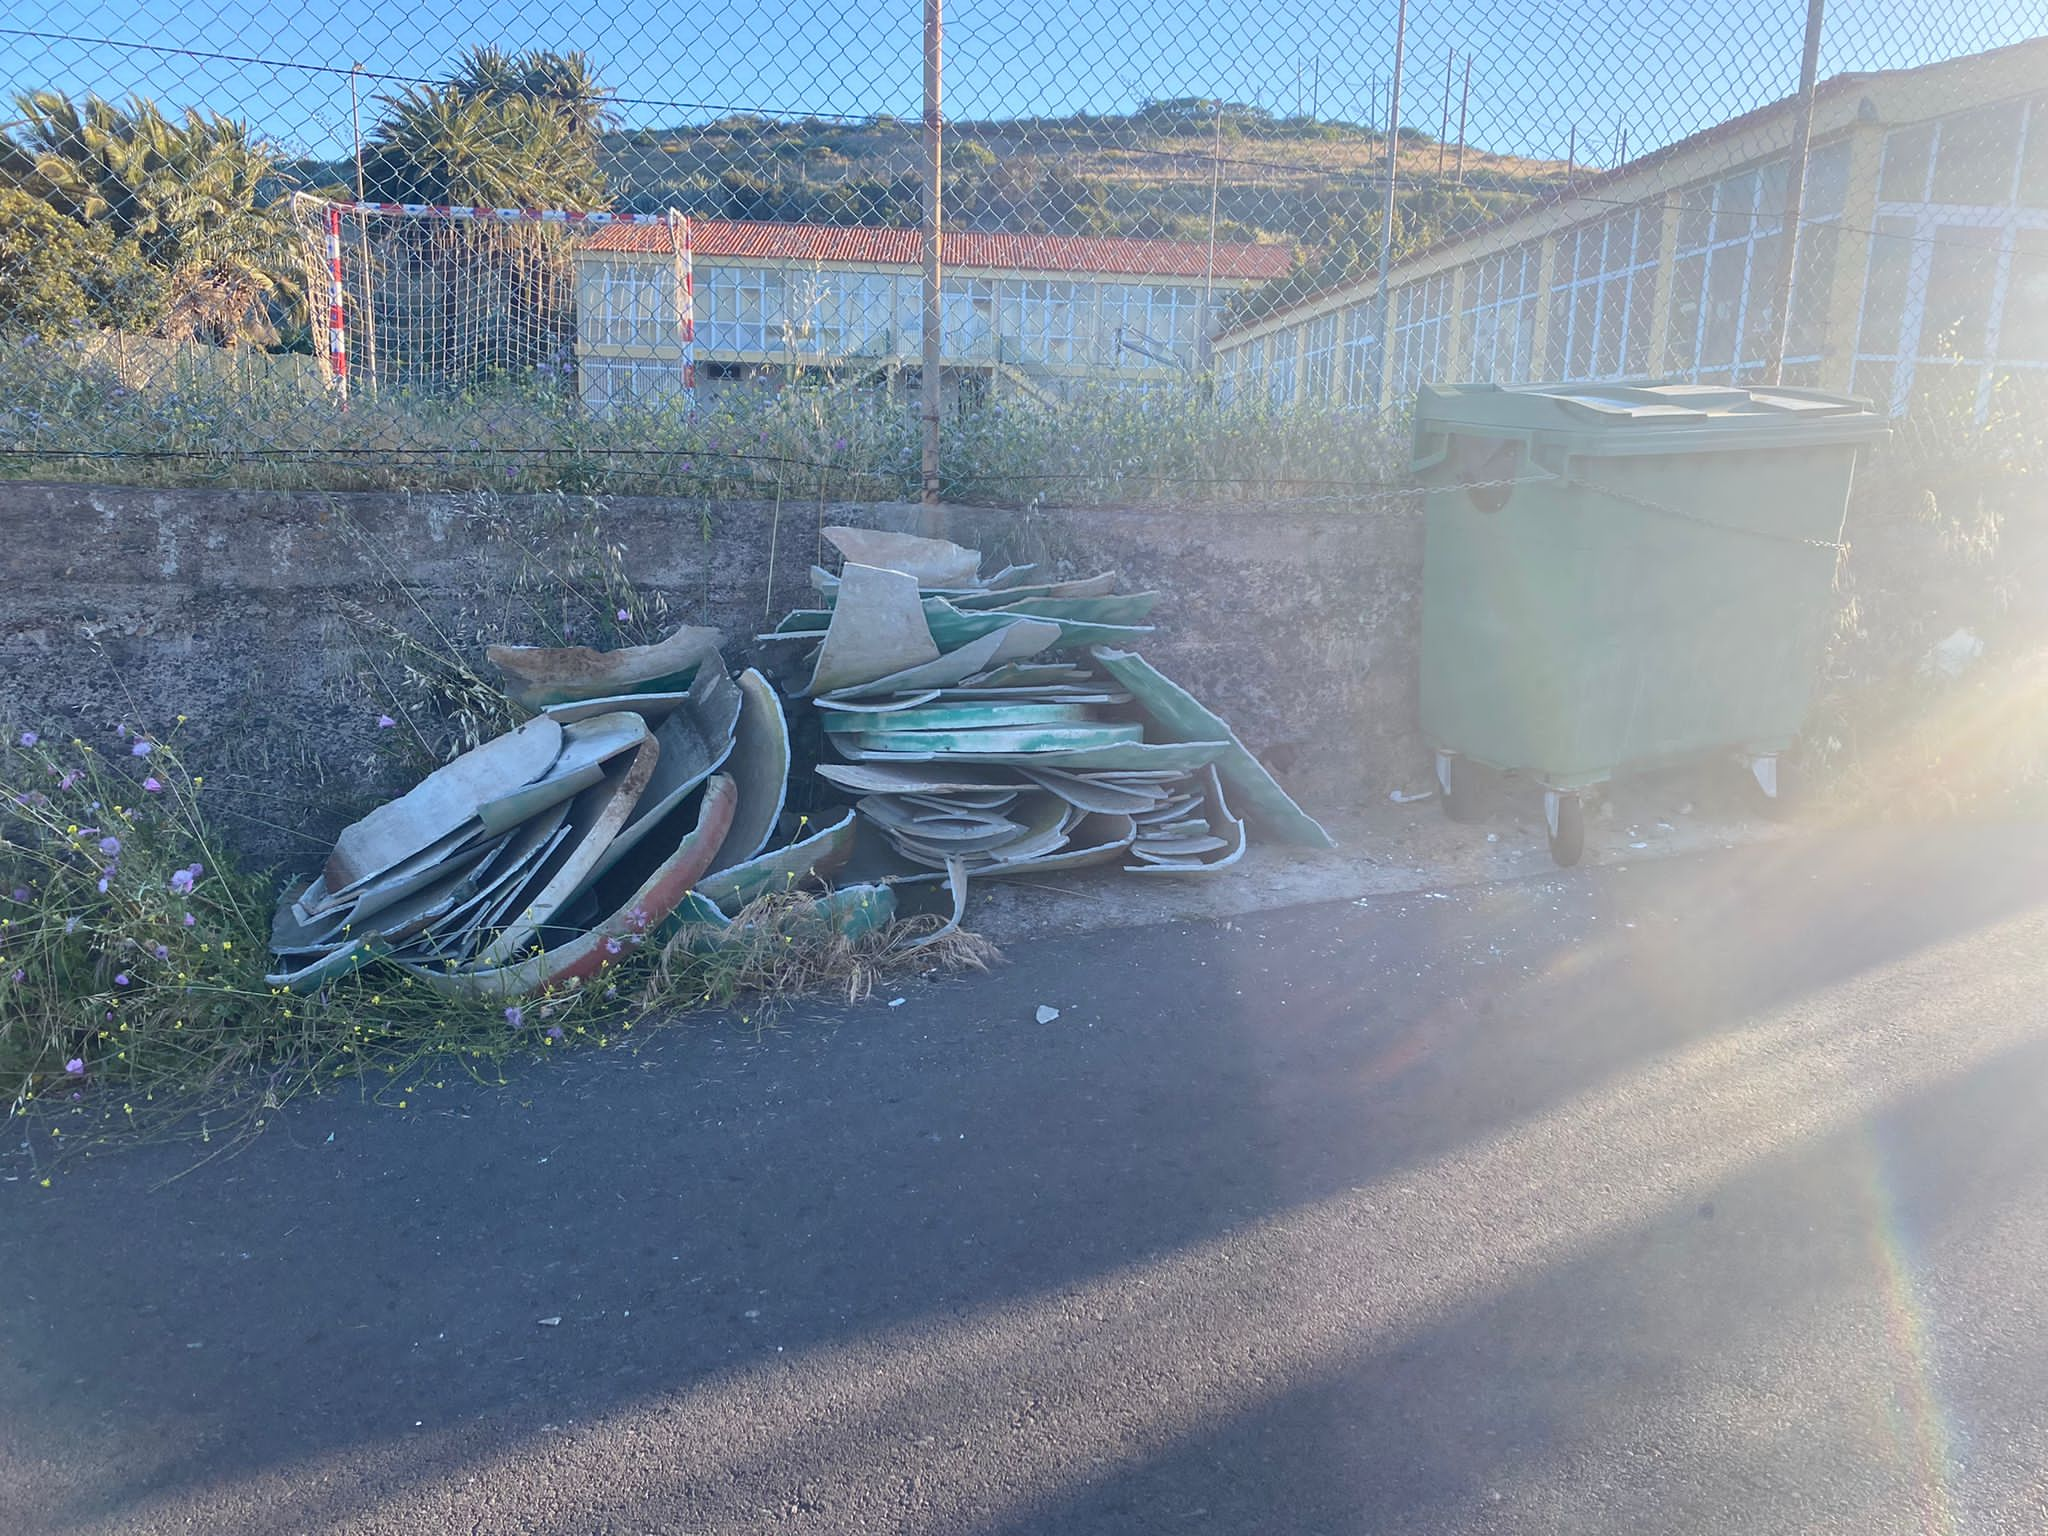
(646, 794)
(997, 726)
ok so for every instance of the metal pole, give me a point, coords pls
(1464, 100)
(1443, 132)
(1795, 185)
(337, 322)
(928, 381)
(1571, 156)
(369, 310)
(1209, 276)
(1393, 162)
(1315, 93)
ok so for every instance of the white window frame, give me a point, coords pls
(1319, 360)
(1283, 379)
(1615, 281)
(1422, 325)
(1500, 315)
(1928, 217)
(1361, 355)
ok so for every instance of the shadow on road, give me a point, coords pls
(727, 1201)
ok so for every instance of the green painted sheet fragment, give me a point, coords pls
(1180, 756)
(1006, 641)
(968, 715)
(1179, 715)
(850, 912)
(951, 627)
(1023, 738)
(759, 765)
(1124, 608)
(779, 869)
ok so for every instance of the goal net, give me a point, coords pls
(549, 305)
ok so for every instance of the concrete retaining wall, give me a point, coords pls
(233, 608)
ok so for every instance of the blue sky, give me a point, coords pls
(1660, 67)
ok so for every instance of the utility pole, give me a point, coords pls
(1393, 165)
(1795, 186)
(1571, 157)
(369, 310)
(1443, 132)
(1315, 97)
(1464, 100)
(928, 380)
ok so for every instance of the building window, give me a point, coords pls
(1361, 356)
(1500, 315)
(630, 304)
(968, 316)
(1048, 322)
(743, 309)
(1422, 317)
(1604, 279)
(1281, 381)
(1956, 289)
(1725, 310)
(1227, 364)
(1319, 361)
(606, 383)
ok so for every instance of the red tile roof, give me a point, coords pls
(962, 248)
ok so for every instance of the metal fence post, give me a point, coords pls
(929, 367)
(1386, 316)
(1795, 185)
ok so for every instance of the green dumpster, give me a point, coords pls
(1625, 575)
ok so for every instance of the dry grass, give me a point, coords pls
(780, 949)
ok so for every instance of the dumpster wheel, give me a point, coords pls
(1565, 817)
(1454, 786)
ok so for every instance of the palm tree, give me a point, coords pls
(504, 132)
(189, 196)
(562, 82)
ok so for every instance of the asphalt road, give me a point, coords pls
(1704, 1196)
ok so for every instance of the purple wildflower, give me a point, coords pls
(110, 846)
(624, 616)
(163, 952)
(181, 882)
(68, 780)
(29, 738)
(141, 748)
(839, 445)
(612, 946)
(103, 885)
(75, 1067)
(515, 1016)
(120, 730)
(189, 919)
(554, 1031)
(385, 722)
(153, 785)
(120, 978)
(20, 976)
(21, 894)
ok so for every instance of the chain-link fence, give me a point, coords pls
(1180, 250)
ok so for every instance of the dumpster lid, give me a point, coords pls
(1670, 411)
